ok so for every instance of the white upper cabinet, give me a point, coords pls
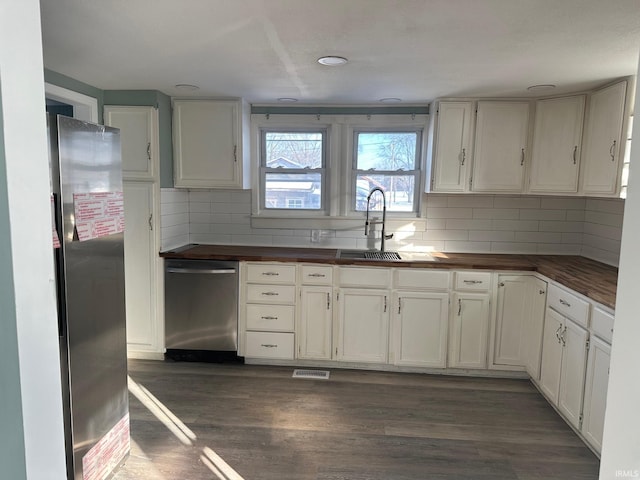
(557, 136)
(452, 147)
(210, 142)
(139, 139)
(602, 140)
(500, 146)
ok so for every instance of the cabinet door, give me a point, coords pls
(140, 268)
(469, 330)
(574, 361)
(551, 362)
(595, 392)
(420, 329)
(601, 157)
(533, 328)
(500, 146)
(511, 317)
(452, 147)
(206, 144)
(138, 137)
(314, 334)
(557, 137)
(363, 325)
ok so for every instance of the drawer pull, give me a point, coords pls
(270, 274)
(269, 317)
(472, 282)
(317, 275)
(269, 345)
(270, 294)
(564, 302)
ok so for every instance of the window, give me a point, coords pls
(388, 160)
(292, 169)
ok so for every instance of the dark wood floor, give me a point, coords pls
(358, 425)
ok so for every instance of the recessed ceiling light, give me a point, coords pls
(186, 87)
(287, 99)
(541, 87)
(332, 61)
(390, 100)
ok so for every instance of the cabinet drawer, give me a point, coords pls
(568, 305)
(473, 281)
(317, 275)
(283, 294)
(270, 317)
(271, 273)
(269, 345)
(365, 277)
(602, 324)
(421, 279)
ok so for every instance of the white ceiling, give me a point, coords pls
(416, 50)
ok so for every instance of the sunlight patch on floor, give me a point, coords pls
(162, 413)
(218, 466)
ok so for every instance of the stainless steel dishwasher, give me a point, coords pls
(201, 306)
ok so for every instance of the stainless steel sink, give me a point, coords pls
(368, 255)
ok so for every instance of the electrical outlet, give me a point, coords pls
(315, 236)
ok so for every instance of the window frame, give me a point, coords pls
(322, 171)
(417, 172)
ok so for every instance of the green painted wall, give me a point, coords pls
(63, 81)
(163, 103)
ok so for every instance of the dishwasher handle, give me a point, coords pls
(200, 270)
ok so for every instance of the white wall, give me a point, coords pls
(451, 223)
(621, 446)
(31, 422)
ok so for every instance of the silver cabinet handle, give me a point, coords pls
(575, 155)
(270, 274)
(385, 303)
(501, 284)
(399, 304)
(328, 301)
(564, 302)
(564, 343)
(464, 155)
(317, 275)
(235, 153)
(270, 294)
(472, 282)
(149, 151)
(269, 345)
(541, 292)
(522, 158)
(612, 151)
(558, 333)
(459, 307)
(269, 317)
(151, 221)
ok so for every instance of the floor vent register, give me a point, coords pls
(313, 374)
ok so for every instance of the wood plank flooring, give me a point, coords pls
(358, 425)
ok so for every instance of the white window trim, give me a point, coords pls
(340, 134)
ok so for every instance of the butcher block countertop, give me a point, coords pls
(593, 279)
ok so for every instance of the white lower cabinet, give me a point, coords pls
(274, 345)
(468, 330)
(562, 373)
(595, 392)
(517, 334)
(363, 325)
(420, 329)
(316, 314)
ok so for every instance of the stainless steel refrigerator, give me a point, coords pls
(88, 223)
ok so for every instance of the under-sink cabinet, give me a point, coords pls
(363, 301)
(420, 318)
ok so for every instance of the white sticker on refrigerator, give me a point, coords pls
(98, 214)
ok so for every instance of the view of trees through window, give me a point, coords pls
(293, 169)
(387, 160)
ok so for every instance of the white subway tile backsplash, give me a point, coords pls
(460, 223)
(540, 214)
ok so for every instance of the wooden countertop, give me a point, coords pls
(593, 279)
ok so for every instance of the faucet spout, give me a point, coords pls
(384, 216)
